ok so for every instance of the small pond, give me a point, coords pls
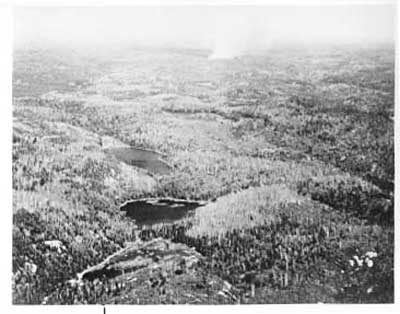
(149, 160)
(154, 211)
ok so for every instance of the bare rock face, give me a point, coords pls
(158, 254)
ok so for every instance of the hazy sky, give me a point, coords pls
(219, 28)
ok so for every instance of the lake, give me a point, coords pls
(145, 159)
(154, 211)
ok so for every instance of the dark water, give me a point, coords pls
(148, 212)
(148, 160)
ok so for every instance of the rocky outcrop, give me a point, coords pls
(160, 254)
(154, 272)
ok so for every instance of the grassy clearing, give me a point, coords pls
(244, 209)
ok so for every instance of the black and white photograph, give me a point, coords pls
(202, 154)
